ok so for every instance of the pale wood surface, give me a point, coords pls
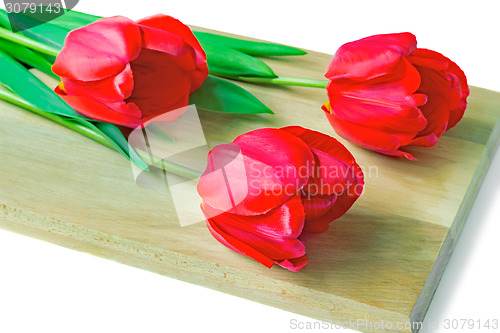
(381, 261)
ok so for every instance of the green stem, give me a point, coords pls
(10, 97)
(283, 80)
(29, 43)
(160, 133)
(168, 166)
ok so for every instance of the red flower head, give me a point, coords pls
(385, 94)
(270, 185)
(126, 73)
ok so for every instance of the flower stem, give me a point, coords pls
(160, 133)
(282, 80)
(168, 166)
(29, 43)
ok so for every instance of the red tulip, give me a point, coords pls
(385, 94)
(126, 73)
(288, 181)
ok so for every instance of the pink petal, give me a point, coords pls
(445, 79)
(160, 85)
(330, 174)
(174, 26)
(261, 237)
(115, 113)
(321, 142)
(275, 166)
(370, 57)
(293, 265)
(113, 89)
(317, 205)
(99, 50)
(166, 42)
(328, 206)
(386, 103)
(285, 221)
(363, 136)
(238, 246)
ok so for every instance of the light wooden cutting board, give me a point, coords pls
(381, 261)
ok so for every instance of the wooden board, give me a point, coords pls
(381, 261)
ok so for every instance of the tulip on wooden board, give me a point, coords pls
(126, 73)
(287, 181)
(385, 93)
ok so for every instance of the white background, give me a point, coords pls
(46, 288)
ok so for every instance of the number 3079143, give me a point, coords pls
(33, 8)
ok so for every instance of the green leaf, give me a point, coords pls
(28, 57)
(4, 19)
(220, 95)
(73, 20)
(248, 47)
(18, 79)
(33, 92)
(47, 34)
(226, 61)
(69, 21)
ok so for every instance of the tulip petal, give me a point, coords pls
(457, 114)
(386, 103)
(451, 83)
(317, 205)
(113, 89)
(254, 234)
(378, 115)
(275, 248)
(322, 142)
(437, 113)
(370, 57)
(322, 209)
(275, 166)
(159, 84)
(425, 141)
(285, 221)
(322, 222)
(293, 265)
(166, 42)
(365, 137)
(238, 246)
(171, 25)
(99, 50)
(115, 113)
(436, 85)
(330, 175)
(335, 166)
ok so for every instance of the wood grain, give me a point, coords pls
(381, 261)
